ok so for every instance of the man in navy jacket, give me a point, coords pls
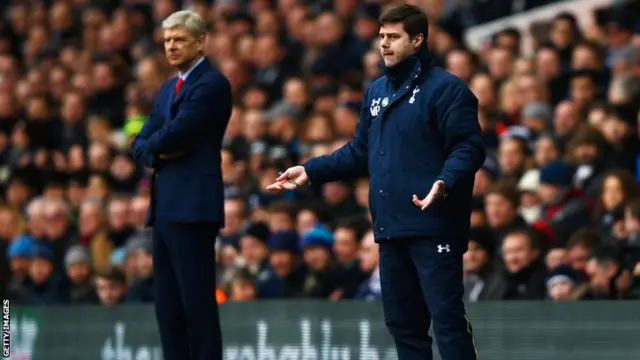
(181, 141)
(420, 142)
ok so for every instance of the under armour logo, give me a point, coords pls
(413, 96)
(442, 248)
(375, 107)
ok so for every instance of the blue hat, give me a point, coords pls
(557, 173)
(286, 240)
(118, 256)
(562, 273)
(317, 236)
(43, 251)
(21, 246)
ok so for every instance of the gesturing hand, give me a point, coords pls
(437, 190)
(291, 179)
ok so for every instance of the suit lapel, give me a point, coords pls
(191, 80)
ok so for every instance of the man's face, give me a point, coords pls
(242, 291)
(511, 157)
(181, 48)
(583, 58)
(282, 262)
(565, 119)
(109, 292)
(345, 245)
(517, 253)
(499, 210)
(280, 221)
(578, 257)
(474, 258)
(118, 214)
(40, 270)
(253, 250)
(369, 253)
(546, 151)
(459, 64)
(583, 90)
(561, 33)
(395, 44)
(548, 193)
(19, 266)
(78, 272)
(316, 257)
(548, 64)
(561, 291)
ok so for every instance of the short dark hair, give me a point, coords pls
(414, 19)
(507, 191)
(112, 274)
(531, 235)
(585, 237)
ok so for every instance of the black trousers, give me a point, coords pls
(422, 281)
(184, 291)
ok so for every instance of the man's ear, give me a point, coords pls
(418, 40)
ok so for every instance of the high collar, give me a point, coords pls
(412, 66)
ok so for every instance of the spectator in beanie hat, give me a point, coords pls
(77, 263)
(20, 253)
(530, 206)
(537, 117)
(45, 286)
(324, 276)
(140, 249)
(285, 276)
(565, 207)
(477, 262)
(254, 248)
(561, 283)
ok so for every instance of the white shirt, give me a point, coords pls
(186, 74)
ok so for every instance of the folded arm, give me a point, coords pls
(457, 113)
(207, 103)
(141, 153)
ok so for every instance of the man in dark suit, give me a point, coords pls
(181, 141)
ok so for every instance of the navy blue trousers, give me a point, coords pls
(422, 282)
(184, 291)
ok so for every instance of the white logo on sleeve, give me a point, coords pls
(442, 248)
(413, 96)
(375, 107)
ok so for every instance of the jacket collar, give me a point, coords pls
(411, 67)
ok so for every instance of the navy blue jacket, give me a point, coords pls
(187, 188)
(418, 124)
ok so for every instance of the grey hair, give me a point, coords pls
(97, 202)
(34, 205)
(60, 204)
(625, 86)
(187, 19)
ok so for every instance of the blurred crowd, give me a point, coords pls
(557, 208)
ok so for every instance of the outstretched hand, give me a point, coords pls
(291, 179)
(437, 190)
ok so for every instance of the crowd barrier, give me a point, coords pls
(310, 330)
